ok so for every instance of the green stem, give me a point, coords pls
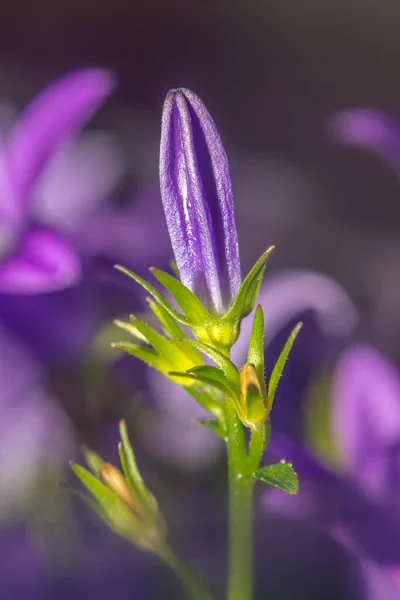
(240, 560)
(190, 581)
(258, 443)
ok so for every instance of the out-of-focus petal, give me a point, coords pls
(366, 414)
(197, 196)
(371, 129)
(133, 234)
(50, 119)
(33, 429)
(288, 294)
(80, 176)
(44, 262)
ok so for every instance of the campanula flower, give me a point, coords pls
(34, 256)
(357, 501)
(197, 196)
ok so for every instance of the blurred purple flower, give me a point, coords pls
(35, 257)
(359, 504)
(34, 431)
(371, 129)
(197, 196)
(284, 296)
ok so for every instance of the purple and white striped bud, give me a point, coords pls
(197, 196)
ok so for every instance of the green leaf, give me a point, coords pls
(93, 460)
(168, 323)
(172, 352)
(120, 517)
(186, 300)
(255, 354)
(248, 292)
(132, 468)
(131, 329)
(229, 369)
(213, 425)
(280, 364)
(144, 354)
(150, 289)
(212, 376)
(282, 476)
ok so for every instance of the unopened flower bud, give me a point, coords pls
(114, 479)
(252, 401)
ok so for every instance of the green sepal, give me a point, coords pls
(93, 460)
(212, 376)
(281, 475)
(248, 291)
(224, 363)
(167, 322)
(150, 289)
(279, 366)
(131, 329)
(213, 425)
(146, 355)
(135, 479)
(119, 517)
(171, 351)
(255, 354)
(193, 309)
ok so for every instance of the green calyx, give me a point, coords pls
(221, 332)
(121, 498)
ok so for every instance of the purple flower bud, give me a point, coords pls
(197, 196)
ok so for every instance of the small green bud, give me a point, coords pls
(122, 500)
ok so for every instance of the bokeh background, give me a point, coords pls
(274, 75)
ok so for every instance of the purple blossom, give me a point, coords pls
(371, 129)
(359, 501)
(197, 196)
(35, 257)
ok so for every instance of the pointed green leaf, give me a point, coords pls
(229, 369)
(131, 329)
(248, 292)
(282, 476)
(132, 468)
(279, 366)
(186, 300)
(145, 354)
(93, 460)
(120, 517)
(172, 352)
(255, 354)
(209, 376)
(150, 289)
(168, 323)
(212, 425)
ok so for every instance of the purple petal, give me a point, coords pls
(197, 196)
(44, 262)
(80, 176)
(366, 414)
(55, 115)
(371, 129)
(290, 293)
